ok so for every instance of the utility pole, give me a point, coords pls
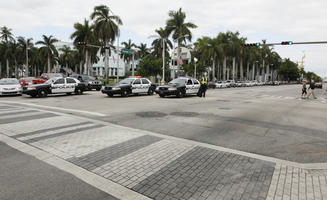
(133, 64)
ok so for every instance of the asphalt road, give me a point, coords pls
(268, 120)
(25, 177)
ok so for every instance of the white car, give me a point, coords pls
(10, 86)
(220, 84)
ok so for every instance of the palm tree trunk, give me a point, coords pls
(81, 67)
(247, 70)
(236, 71)
(49, 67)
(233, 72)
(90, 65)
(224, 68)
(7, 67)
(218, 70)
(213, 69)
(253, 71)
(241, 69)
(178, 56)
(86, 61)
(267, 72)
(0, 70)
(106, 61)
(16, 69)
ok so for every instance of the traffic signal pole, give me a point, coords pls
(285, 43)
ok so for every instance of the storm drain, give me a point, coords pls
(150, 114)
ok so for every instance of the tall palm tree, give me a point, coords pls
(127, 57)
(179, 29)
(49, 49)
(106, 28)
(25, 45)
(84, 33)
(6, 36)
(158, 43)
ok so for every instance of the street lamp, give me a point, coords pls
(163, 56)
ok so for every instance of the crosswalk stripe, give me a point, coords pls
(26, 118)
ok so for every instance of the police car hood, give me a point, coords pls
(37, 85)
(119, 85)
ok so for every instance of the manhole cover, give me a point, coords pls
(150, 114)
(225, 108)
(185, 114)
(223, 100)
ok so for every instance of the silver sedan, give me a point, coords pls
(10, 86)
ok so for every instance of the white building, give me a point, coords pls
(185, 56)
(99, 67)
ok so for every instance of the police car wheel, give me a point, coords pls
(150, 92)
(179, 94)
(42, 93)
(124, 93)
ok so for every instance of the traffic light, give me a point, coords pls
(81, 43)
(252, 44)
(287, 43)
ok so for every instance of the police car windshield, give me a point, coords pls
(127, 81)
(177, 81)
(51, 80)
(9, 82)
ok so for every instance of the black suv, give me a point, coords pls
(90, 82)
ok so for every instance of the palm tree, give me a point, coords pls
(179, 29)
(6, 37)
(143, 50)
(49, 49)
(158, 43)
(84, 33)
(66, 56)
(25, 45)
(106, 28)
(127, 57)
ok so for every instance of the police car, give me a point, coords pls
(179, 87)
(129, 86)
(55, 85)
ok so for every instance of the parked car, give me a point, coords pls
(212, 85)
(128, 86)
(55, 85)
(179, 87)
(238, 84)
(220, 84)
(10, 86)
(30, 80)
(231, 83)
(90, 82)
(318, 85)
(47, 76)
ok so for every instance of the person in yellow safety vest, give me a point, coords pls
(203, 88)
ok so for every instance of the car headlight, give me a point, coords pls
(116, 88)
(18, 88)
(172, 89)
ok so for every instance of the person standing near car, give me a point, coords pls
(203, 87)
(311, 89)
(304, 89)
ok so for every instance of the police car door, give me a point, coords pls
(58, 86)
(136, 86)
(145, 85)
(70, 85)
(196, 86)
(189, 86)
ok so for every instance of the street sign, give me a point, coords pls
(127, 51)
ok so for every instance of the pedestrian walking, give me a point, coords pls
(304, 89)
(312, 89)
(203, 87)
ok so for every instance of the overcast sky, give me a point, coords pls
(273, 20)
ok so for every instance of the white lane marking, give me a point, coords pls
(57, 108)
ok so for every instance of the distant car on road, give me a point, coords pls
(179, 87)
(10, 86)
(128, 86)
(55, 85)
(318, 85)
(220, 84)
(231, 83)
(47, 76)
(90, 82)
